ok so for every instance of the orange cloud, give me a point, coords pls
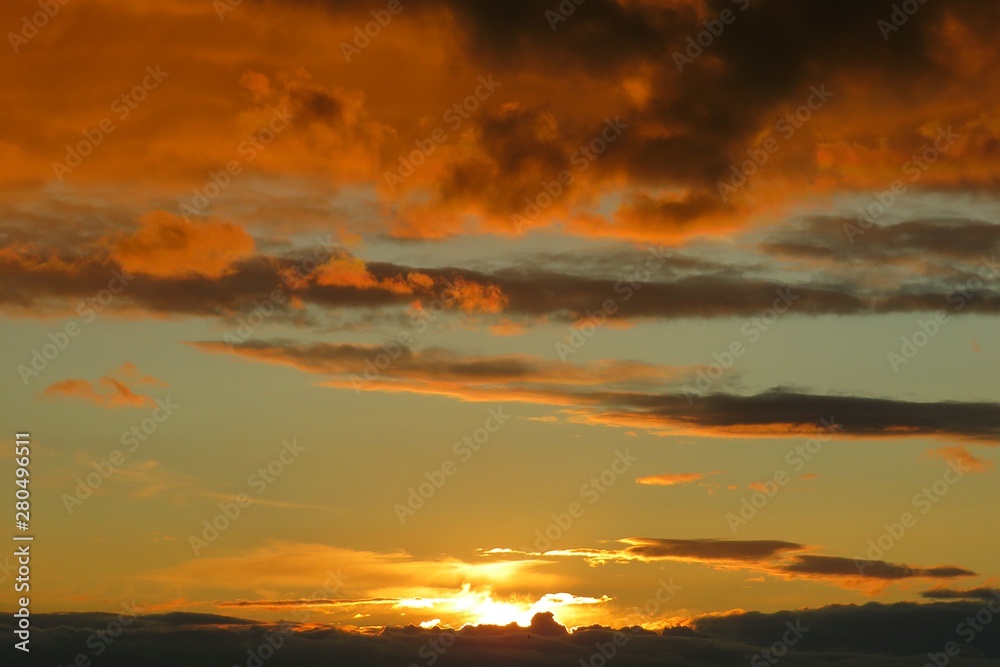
(112, 393)
(671, 479)
(783, 560)
(349, 271)
(618, 393)
(131, 373)
(472, 297)
(962, 457)
(166, 246)
(108, 392)
(390, 587)
(508, 327)
(458, 292)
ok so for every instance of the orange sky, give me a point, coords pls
(489, 313)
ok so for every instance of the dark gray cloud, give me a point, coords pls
(596, 392)
(783, 559)
(872, 635)
(698, 122)
(938, 240)
(901, 629)
(42, 284)
(785, 410)
(754, 550)
(836, 566)
(983, 593)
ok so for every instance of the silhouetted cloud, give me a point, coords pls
(782, 560)
(606, 392)
(827, 636)
(983, 593)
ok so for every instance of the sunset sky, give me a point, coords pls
(446, 313)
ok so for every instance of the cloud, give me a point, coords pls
(621, 393)
(905, 629)
(459, 292)
(782, 560)
(347, 271)
(706, 550)
(166, 246)
(609, 58)
(963, 458)
(297, 565)
(386, 587)
(838, 635)
(111, 391)
(690, 122)
(834, 566)
(671, 479)
(196, 268)
(187, 276)
(983, 593)
(435, 370)
(823, 238)
(476, 297)
(780, 411)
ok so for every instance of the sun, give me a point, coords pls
(493, 612)
(479, 608)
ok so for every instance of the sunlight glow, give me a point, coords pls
(480, 607)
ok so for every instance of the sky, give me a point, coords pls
(396, 318)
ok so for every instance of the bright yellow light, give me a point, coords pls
(478, 606)
(492, 612)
